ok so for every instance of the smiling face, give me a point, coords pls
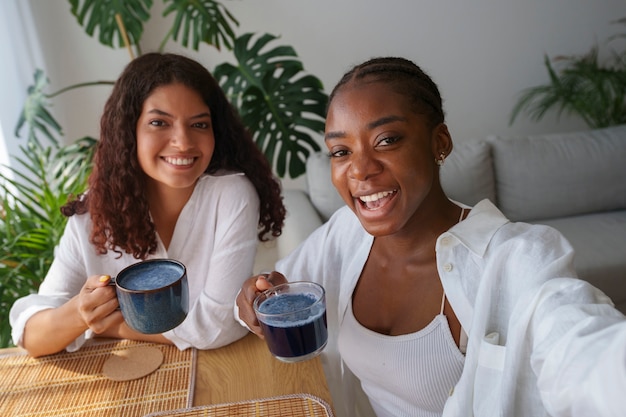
(383, 156)
(175, 139)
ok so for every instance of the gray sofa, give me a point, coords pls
(574, 182)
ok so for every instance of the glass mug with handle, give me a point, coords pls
(293, 319)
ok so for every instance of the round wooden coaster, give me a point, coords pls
(132, 363)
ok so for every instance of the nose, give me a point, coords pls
(181, 139)
(364, 165)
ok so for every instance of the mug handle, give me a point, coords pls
(111, 283)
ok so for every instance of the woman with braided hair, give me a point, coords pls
(176, 175)
(436, 308)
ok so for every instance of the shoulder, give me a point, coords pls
(344, 223)
(78, 225)
(486, 228)
(342, 234)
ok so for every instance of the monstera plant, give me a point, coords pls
(279, 102)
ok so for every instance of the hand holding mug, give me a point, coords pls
(97, 304)
(250, 289)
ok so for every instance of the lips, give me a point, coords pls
(376, 200)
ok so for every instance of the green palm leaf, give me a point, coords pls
(199, 21)
(100, 15)
(281, 105)
(31, 223)
(580, 85)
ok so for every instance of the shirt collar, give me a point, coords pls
(477, 230)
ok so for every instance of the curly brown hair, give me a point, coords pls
(116, 200)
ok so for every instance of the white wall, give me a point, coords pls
(481, 53)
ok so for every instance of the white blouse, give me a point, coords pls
(215, 238)
(541, 342)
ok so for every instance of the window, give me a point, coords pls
(20, 56)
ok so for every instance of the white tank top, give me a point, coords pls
(405, 375)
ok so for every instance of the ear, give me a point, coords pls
(441, 142)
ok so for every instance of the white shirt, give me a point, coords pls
(215, 238)
(540, 341)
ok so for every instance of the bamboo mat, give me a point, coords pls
(296, 405)
(72, 383)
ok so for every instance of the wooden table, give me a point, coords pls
(246, 370)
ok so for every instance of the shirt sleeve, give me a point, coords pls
(581, 358)
(64, 280)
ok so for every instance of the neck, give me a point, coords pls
(418, 237)
(166, 205)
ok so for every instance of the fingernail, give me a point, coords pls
(104, 278)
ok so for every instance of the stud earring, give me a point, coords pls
(442, 157)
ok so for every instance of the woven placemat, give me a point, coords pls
(296, 405)
(72, 384)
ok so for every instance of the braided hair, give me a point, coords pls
(405, 78)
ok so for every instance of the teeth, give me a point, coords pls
(179, 161)
(375, 196)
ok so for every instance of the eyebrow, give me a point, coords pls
(164, 113)
(372, 125)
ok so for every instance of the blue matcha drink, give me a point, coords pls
(294, 325)
(150, 276)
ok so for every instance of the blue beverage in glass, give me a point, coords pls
(293, 319)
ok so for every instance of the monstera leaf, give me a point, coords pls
(35, 115)
(281, 105)
(100, 14)
(199, 21)
(204, 21)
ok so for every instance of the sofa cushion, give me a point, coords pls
(467, 173)
(599, 240)
(322, 192)
(558, 175)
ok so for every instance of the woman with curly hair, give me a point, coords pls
(176, 175)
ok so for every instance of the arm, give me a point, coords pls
(53, 329)
(581, 361)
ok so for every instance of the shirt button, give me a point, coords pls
(447, 267)
(445, 240)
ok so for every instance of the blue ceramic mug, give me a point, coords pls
(153, 295)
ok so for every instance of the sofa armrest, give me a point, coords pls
(301, 220)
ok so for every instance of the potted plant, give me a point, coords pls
(585, 85)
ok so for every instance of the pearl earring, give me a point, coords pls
(442, 157)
